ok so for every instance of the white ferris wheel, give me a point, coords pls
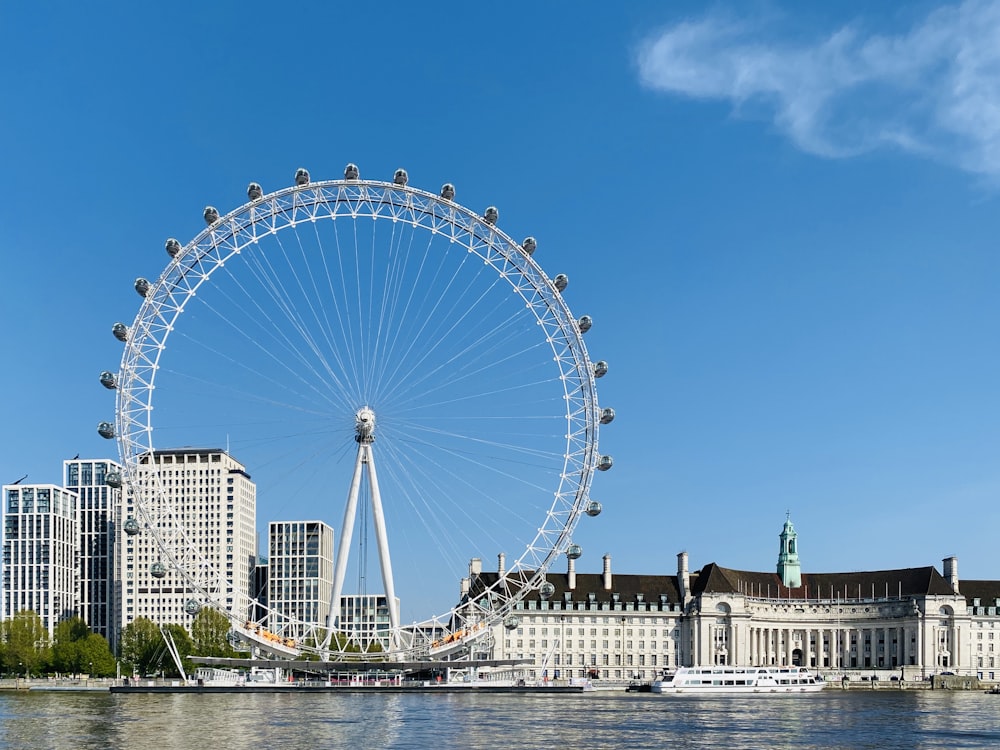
(333, 327)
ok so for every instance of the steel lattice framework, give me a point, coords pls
(348, 201)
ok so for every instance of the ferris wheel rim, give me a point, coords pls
(151, 328)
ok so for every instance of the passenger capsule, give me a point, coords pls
(574, 551)
(512, 622)
(108, 380)
(254, 191)
(448, 191)
(529, 245)
(158, 570)
(172, 247)
(400, 177)
(607, 415)
(106, 430)
(561, 282)
(301, 176)
(546, 590)
(120, 330)
(191, 606)
(113, 479)
(605, 462)
(131, 526)
(585, 323)
(491, 215)
(142, 286)
(593, 508)
(351, 172)
(600, 369)
(211, 215)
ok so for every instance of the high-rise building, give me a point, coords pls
(40, 552)
(300, 572)
(96, 527)
(213, 496)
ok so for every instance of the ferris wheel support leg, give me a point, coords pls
(383, 546)
(346, 532)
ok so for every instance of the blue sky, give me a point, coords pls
(782, 220)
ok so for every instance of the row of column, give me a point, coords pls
(775, 646)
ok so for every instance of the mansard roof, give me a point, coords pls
(626, 586)
(987, 592)
(925, 581)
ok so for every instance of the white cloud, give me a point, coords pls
(933, 90)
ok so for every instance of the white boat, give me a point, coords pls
(719, 680)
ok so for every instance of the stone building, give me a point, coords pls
(911, 621)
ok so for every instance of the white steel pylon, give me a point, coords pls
(364, 425)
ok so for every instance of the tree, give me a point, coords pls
(66, 645)
(139, 644)
(210, 633)
(96, 656)
(184, 645)
(26, 643)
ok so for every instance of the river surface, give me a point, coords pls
(832, 719)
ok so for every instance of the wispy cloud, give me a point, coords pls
(932, 90)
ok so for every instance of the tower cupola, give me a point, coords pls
(789, 570)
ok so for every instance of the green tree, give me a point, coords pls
(66, 645)
(140, 642)
(26, 643)
(210, 633)
(185, 647)
(96, 656)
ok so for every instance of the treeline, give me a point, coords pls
(26, 649)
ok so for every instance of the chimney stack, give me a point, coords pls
(571, 573)
(950, 565)
(683, 578)
(606, 576)
(475, 567)
(501, 565)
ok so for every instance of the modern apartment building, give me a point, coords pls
(299, 573)
(96, 504)
(40, 557)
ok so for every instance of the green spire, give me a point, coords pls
(789, 569)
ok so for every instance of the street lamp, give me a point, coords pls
(90, 672)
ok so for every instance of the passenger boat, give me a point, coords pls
(719, 680)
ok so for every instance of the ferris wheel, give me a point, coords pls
(334, 326)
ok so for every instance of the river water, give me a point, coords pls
(832, 719)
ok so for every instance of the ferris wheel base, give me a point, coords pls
(267, 641)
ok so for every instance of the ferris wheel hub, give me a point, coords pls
(364, 425)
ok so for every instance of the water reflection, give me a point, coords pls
(833, 719)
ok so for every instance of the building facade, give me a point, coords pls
(914, 622)
(96, 504)
(299, 573)
(40, 552)
(213, 497)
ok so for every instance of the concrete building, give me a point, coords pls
(912, 622)
(96, 505)
(214, 498)
(299, 573)
(40, 552)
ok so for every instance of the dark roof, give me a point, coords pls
(626, 586)
(988, 592)
(715, 579)
(861, 584)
